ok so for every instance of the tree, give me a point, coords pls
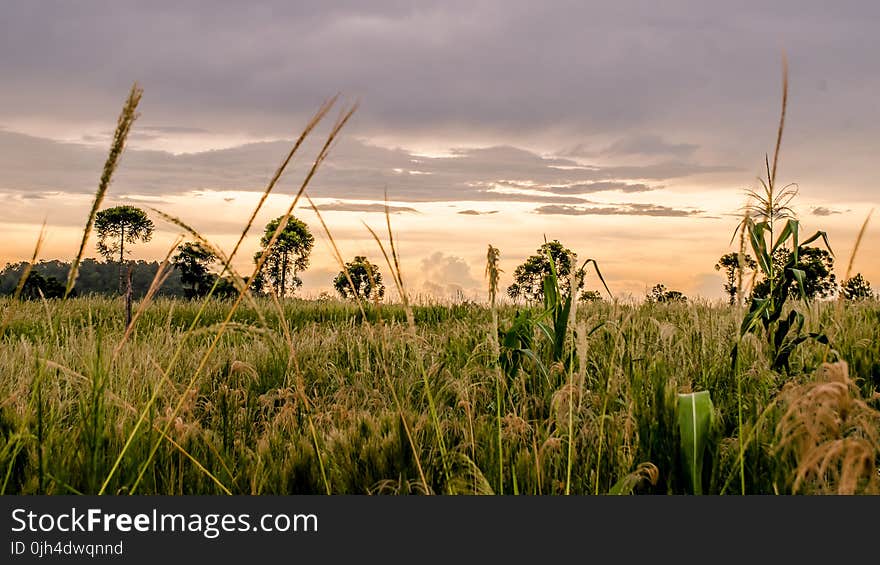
(529, 277)
(286, 258)
(730, 263)
(193, 261)
(591, 296)
(817, 265)
(366, 278)
(37, 286)
(857, 288)
(226, 288)
(119, 226)
(95, 277)
(659, 294)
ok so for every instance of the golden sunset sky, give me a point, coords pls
(628, 131)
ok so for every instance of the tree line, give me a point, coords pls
(817, 265)
(194, 266)
(195, 269)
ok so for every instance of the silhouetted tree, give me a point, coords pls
(37, 286)
(366, 278)
(119, 226)
(591, 296)
(817, 265)
(194, 261)
(226, 288)
(660, 294)
(528, 278)
(95, 277)
(730, 264)
(286, 258)
(857, 288)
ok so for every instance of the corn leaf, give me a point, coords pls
(695, 425)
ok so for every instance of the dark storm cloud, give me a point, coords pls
(621, 210)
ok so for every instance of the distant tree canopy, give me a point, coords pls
(528, 278)
(366, 278)
(730, 264)
(857, 288)
(194, 263)
(660, 294)
(818, 267)
(37, 286)
(288, 256)
(95, 277)
(591, 296)
(119, 226)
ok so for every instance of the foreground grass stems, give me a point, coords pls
(282, 224)
(242, 292)
(123, 127)
(397, 276)
(493, 272)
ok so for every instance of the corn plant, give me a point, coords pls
(770, 206)
(552, 322)
(783, 334)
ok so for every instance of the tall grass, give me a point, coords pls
(254, 395)
(123, 126)
(67, 408)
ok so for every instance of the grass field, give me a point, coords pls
(313, 398)
(262, 395)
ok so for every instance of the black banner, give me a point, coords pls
(444, 528)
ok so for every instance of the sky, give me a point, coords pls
(629, 131)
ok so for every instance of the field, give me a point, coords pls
(258, 393)
(311, 397)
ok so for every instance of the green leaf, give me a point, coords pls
(695, 425)
(598, 272)
(790, 230)
(800, 276)
(816, 236)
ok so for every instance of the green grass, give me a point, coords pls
(343, 406)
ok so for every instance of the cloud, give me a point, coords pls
(619, 210)
(447, 64)
(477, 213)
(142, 199)
(648, 144)
(361, 207)
(625, 81)
(446, 275)
(577, 188)
(172, 129)
(634, 145)
(824, 211)
(354, 170)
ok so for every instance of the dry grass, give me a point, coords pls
(832, 434)
(123, 127)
